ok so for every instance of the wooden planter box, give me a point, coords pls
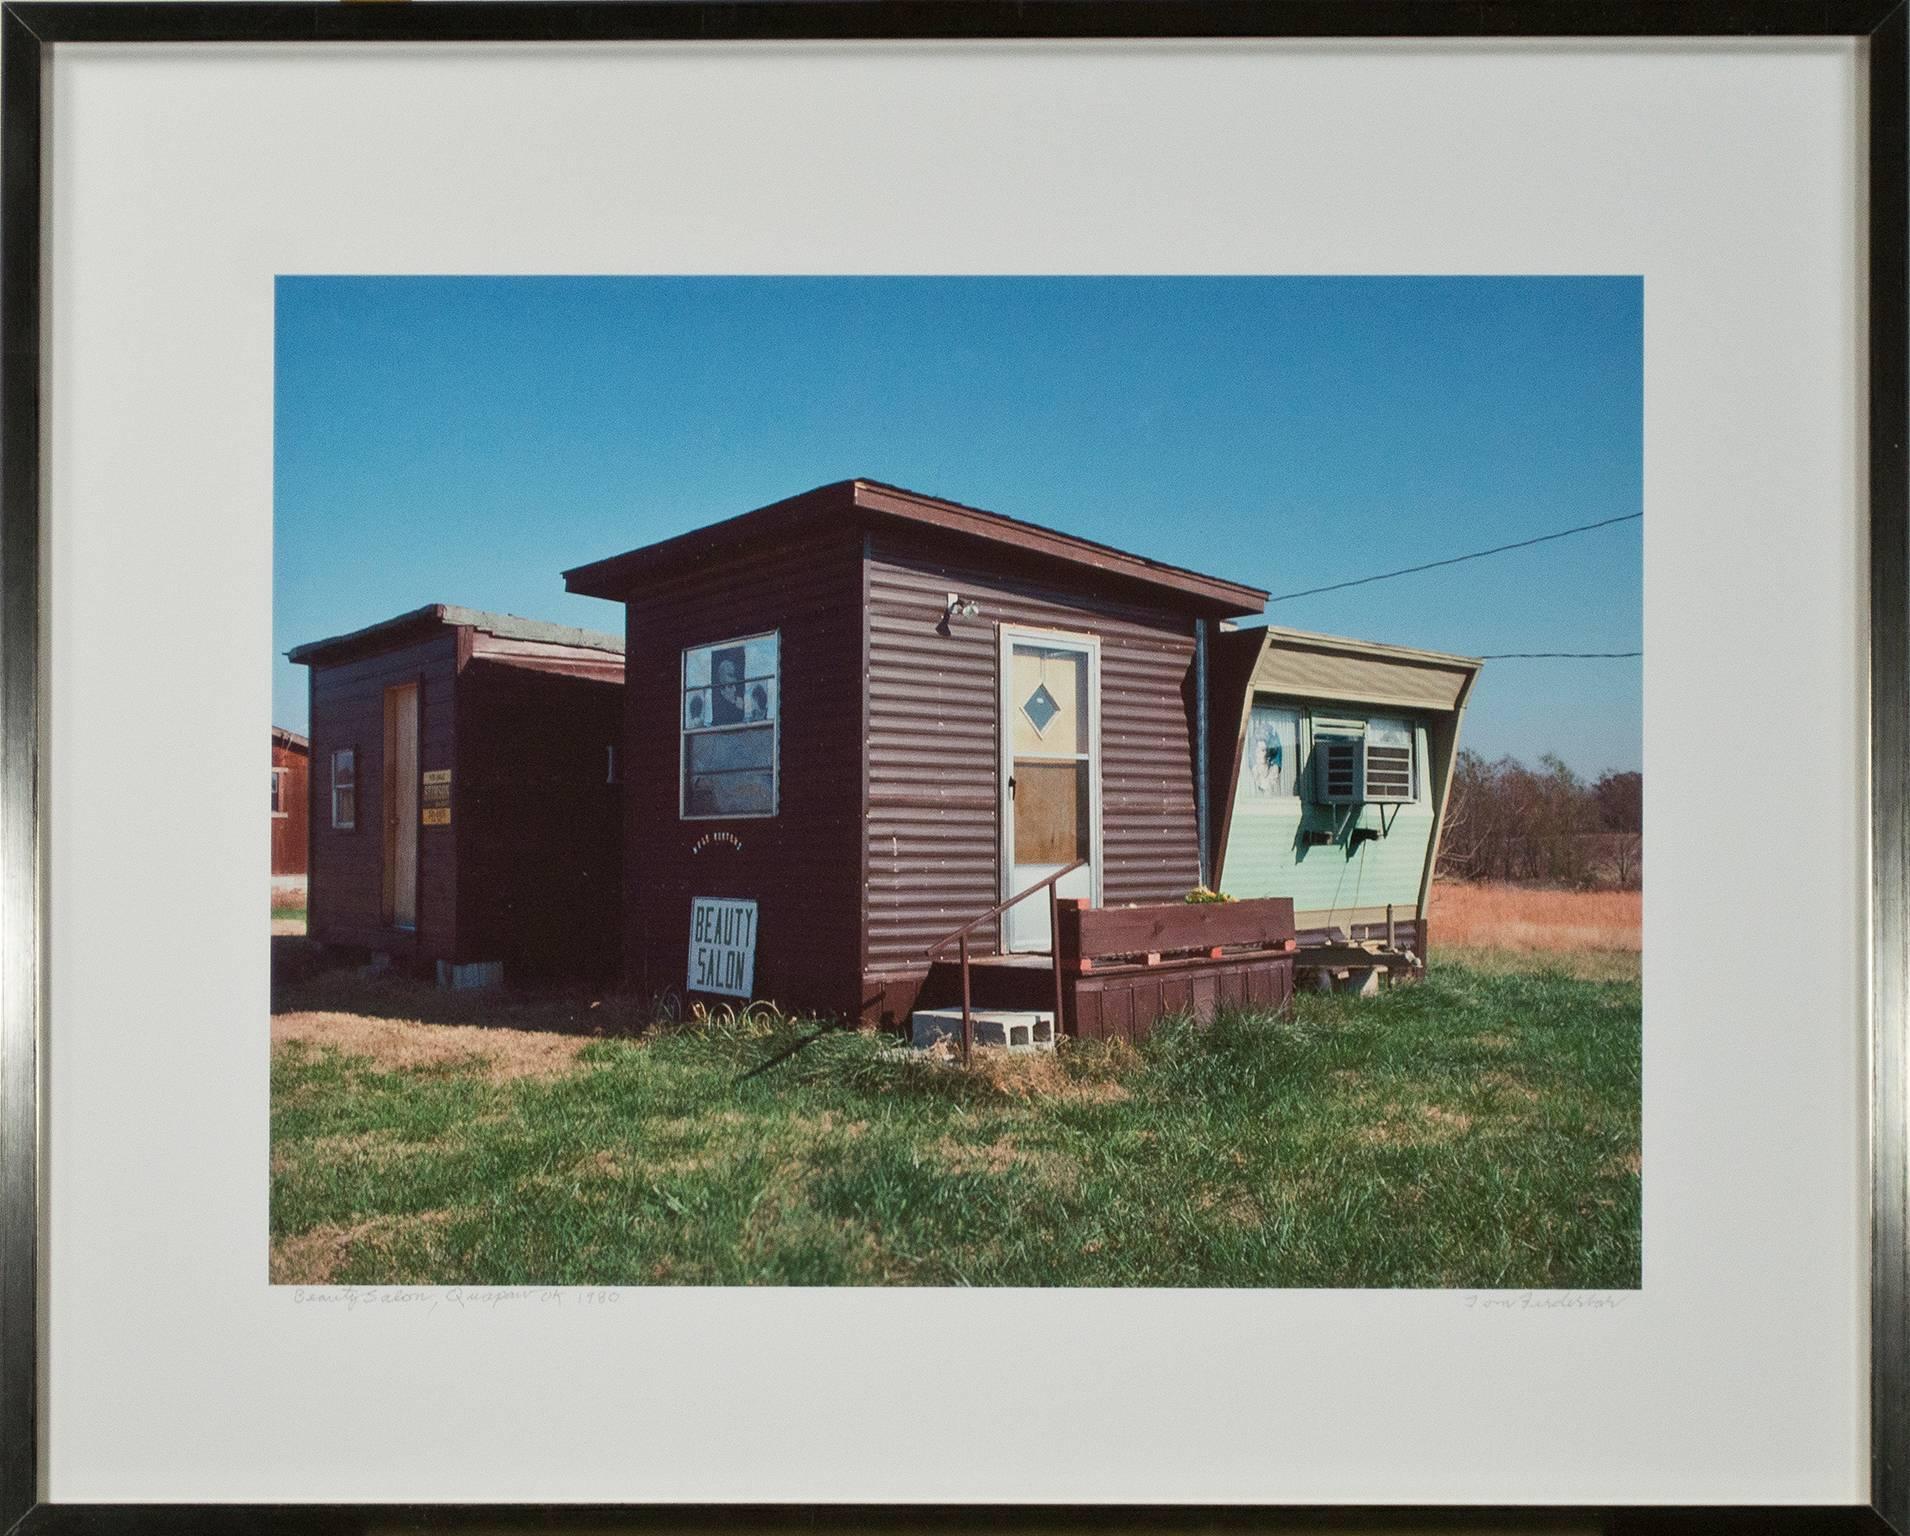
(1162, 929)
(1124, 968)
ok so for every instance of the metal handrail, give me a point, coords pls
(1054, 944)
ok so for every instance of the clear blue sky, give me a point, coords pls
(462, 440)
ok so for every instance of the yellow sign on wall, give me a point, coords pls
(437, 815)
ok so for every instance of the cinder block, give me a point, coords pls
(1000, 1028)
(470, 976)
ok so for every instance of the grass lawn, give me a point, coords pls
(1480, 1129)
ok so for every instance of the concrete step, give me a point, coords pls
(1002, 1028)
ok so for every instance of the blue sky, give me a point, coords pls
(462, 440)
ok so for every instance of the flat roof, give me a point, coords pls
(870, 502)
(506, 626)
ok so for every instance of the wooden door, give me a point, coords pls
(401, 806)
(1050, 716)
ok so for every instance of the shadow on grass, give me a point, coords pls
(307, 979)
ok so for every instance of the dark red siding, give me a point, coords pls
(539, 824)
(801, 866)
(291, 832)
(345, 897)
(932, 848)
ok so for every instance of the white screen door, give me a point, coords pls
(1050, 723)
(401, 806)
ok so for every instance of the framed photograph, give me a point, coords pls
(966, 704)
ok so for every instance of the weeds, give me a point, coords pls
(1479, 1129)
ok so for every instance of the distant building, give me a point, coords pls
(465, 812)
(291, 769)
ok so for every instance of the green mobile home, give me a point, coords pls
(1332, 759)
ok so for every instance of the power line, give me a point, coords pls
(1431, 565)
(1556, 655)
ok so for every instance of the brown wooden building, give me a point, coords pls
(465, 808)
(874, 714)
(291, 773)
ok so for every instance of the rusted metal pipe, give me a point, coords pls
(968, 1021)
(1054, 949)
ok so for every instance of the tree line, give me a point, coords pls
(1506, 821)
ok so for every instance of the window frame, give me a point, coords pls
(1411, 727)
(685, 732)
(336, 753)
(1295, 797)
(279, 812)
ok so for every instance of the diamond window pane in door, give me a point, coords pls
(1050, 690)
(1040, 707)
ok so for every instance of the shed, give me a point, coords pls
(291, 774)
(466, 809)
(861, 717)
(1334, 759)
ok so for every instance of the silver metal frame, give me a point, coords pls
(30, 30)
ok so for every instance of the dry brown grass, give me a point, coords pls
(406, 1044)
(1432, 1125)
(1088, 1072)
(312, 1258)
(1515, 917)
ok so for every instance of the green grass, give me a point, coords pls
(1478, 1130)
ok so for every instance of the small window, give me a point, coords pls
(731, 717)
(345, 789)
(610, 770)
(1271, 768)
(278, 791)
(1389, 760)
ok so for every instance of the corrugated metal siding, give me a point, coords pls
(933, 842)
(801, 865)
(346, 883)
(1285, 667)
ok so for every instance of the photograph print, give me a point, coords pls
(1038, 781)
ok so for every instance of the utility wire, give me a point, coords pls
(1555, 655)
(1480, 554)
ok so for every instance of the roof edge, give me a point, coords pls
(506, 626)
(1348, 645)
(613, 577)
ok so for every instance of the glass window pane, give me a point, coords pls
(759, 699)
(696, 709)
(1270, 770)
(728, 664)
(696, 667)
(750, 793)
(1389, 733)
(760, 657)
(728, 751)
(1049, 700)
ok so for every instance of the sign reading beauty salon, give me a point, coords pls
(722, 946)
